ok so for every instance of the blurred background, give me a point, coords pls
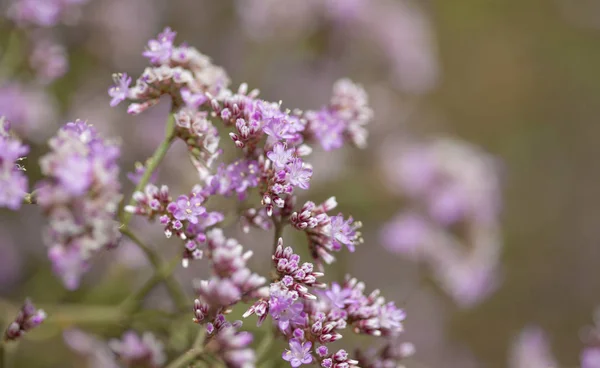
(496, 98)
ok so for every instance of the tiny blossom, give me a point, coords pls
(280, 155)
(13, 182)
(120, 90)
(337, 296)
(160, 49)
(298, 353)
(285, 308)
(80, 196)
(28, 318)
(299, 173)
(133, 350)
(344, 232)
(138, 173)
(186, 208)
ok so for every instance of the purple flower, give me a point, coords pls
(328, 129)
(186, 208)
(159, 50)
(138, 172)
(391, 317)
(343, 232)
(134, 350)
(590, 358)
(120, 90)
(279, 155)
(81, 220)
(74, 174)
(284, 308)
(405, 234)
(193, 100)
(299, 173)
(338, 296)
(278, 128)
(298, 354)
(13, 182)
(531, 350)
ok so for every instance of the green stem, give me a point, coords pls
(151, 165)
(186, 358)
(193, 353)
(163, 273)
(132, 303)
(69, 315)
(200, 337)
(263, 348)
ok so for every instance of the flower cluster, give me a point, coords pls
(343, 119)
(308, 318)
(452, 221)
(326, 233)
(273, 143)
(179, 71)
(28, 318)
(43, 13)
(200, 136)
(185, 217)
(234, 347)
(231, 282)
(13, 182)
(80, 197)
(401, 29)
(135, 351)
(48, 59)
(131, 350)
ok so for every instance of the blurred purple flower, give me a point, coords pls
(134, 350)
(28, 318)
(80, 197)
(120, 90)
(48, 59)
(531, 350)
(13, 182)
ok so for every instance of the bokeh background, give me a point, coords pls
(519, 79)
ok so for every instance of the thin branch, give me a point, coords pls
(263, 348)
(163, 273)
(186, 358)
(151, 165)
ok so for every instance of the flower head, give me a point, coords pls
(298, 353)
(13, 182)
(186, 208)
(160, 49)
(120, 90)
